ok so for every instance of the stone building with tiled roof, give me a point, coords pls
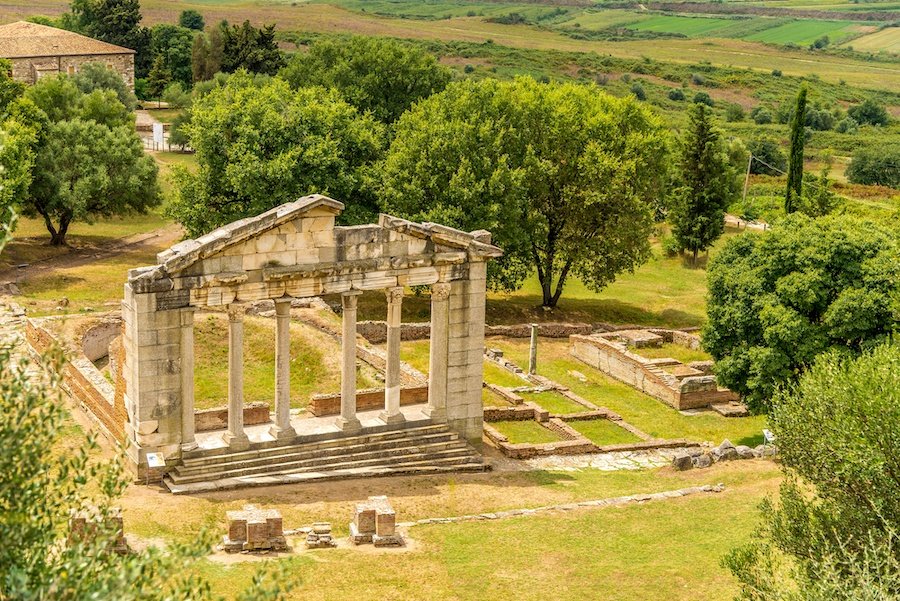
(38, 51)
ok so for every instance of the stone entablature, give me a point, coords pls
(296, 251)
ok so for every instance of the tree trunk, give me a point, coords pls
(546, 291)
(694, 260)
(57, 235)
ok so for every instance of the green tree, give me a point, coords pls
(834, 534)
(191, 19)
(10, 89)
(200, 58)
(249, 48)
(159, 78)
(777, 300)
(876, 165)
(260, 146)
(374, 74)
(563, 175)
(84, 170)
(706, 184)
(818, 197)
(16, 163)
(794, 191)
(767, 155)
(173, 44)
(96, 76)
(869, 112)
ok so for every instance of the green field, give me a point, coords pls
(692, 27)
(804, 32)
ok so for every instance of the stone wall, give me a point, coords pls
(216, 418)
(28, 70)
(376, 331)
(366, 400)
(96, 340)
(86, 384)
(646, 375)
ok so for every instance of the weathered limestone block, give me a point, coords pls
(254, 529)
(375, 522)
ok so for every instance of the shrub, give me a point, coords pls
(878, 165)
(638, 90)
(770, 159)
(776, 72)
(468, 69)
(819, 119)
(734, 112)
(761, 115)
(869, 112)
(847, 126)
(670, 246)
(703, 98)
(176, 96)
(676, 94)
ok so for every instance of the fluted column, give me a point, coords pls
(391, 413)
(282, 430)
(439, 352)
(348, 422)
(188, 442)
(235, 436)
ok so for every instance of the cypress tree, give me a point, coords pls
(795, 165)
(707, 184)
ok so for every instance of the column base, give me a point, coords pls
(189, 446)
(394, 418)
(436, 415)
(348, 425)
(283, 433)
(237, 442)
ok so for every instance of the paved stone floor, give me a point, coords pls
(608, 462)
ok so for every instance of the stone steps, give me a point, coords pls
(421, 450)
(290, 464)
(298, 454)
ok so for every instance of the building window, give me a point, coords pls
(70, 70)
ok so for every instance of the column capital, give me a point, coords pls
(394, 294)
(349, 298)
(282, 306)
(440, 291)
(235, 311)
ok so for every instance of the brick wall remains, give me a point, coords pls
(366, 400)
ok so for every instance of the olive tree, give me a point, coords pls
(833, 533)
(564, 175)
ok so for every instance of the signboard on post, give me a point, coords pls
(158, 136)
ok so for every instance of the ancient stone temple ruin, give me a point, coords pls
(296, 251)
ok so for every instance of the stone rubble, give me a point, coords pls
(319, 536)
(726, 451)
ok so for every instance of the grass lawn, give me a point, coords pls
(673, 351)
(554, 402)
(315, 367)
(31, 238)
(96, 286)
(603, 432)
(805, 31)
(644, 412)
(496, 375)
(652, 551)
(526, 431)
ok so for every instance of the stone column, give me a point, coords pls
(348, 422)
(188, 442)
(282, 430)
(391, 413)
(235, 436)
(439, 352)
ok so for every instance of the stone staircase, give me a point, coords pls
(431, 449)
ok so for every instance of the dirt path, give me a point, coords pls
(159, 238)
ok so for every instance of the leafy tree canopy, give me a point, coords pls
(706, 183)
(876, 164)
(374, 74)
(191, 19)
(172, 44)
(96, 76)
(869, 112)
(260, 146)
(563, 175)
(835, 533)
(768, 156)
(113, 21)
(777, 300)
